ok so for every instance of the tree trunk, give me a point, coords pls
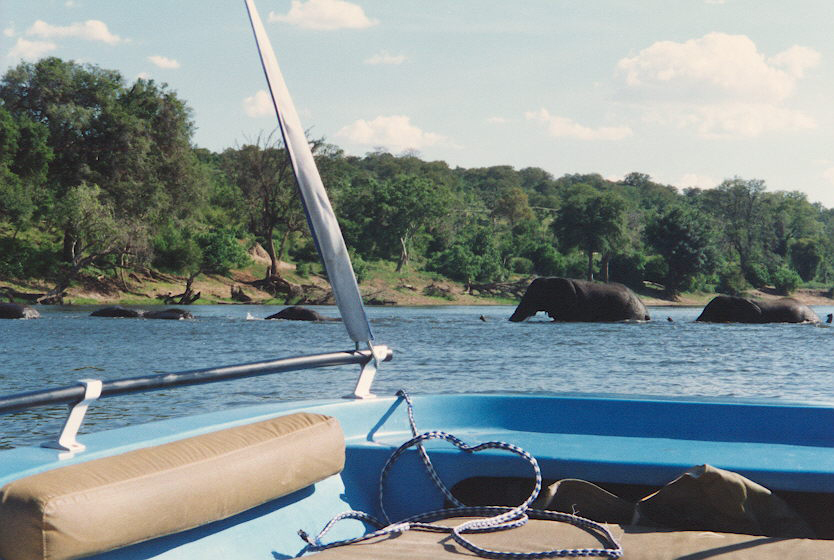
(282, 247)
(273, 259)
(606, 258)
(403, 255)
(68, 254)
(590, 265)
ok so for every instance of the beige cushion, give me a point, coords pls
(537, 535)
(111, 502)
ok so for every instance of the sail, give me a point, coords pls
(320, 216)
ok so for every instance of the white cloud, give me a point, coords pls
(828, 175)
(324, 15)
(71, 4)
(717, 65)
(747, 120)
(259, 105)
(384, 57)
(715, 1)
(396, 133)
(565, 127)
(31, 50)
(164, 62)
(498, 120)
(90, 30)
(143, 76)
(719, 85)
(695, 180)
(796, 60)
(8, 32)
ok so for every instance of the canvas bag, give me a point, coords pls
(704, 498)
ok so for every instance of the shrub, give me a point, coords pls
(575, 265)
(22, 259)
(731, 282)
(521, 265)
(221, 251)
(655, 269)
(545, 258)
(360, 267)
(628, 269)
(785, 280)
(175, 251)
(758, 275)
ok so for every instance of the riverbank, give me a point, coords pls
(381, 287)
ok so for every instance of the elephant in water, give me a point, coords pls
(117, 311)
(734, 309)
(566, 299)
(173, 314)
(297, 313)
(17, 311)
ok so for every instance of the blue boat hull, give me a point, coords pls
(645, 441)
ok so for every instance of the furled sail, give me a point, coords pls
(320, 216)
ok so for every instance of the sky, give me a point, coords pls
(691, 92)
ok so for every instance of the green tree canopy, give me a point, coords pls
(684, 239)
(591, 221)
(383, 217)
(24, 159)
(262, 171)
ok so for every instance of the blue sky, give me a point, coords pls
(689, 91)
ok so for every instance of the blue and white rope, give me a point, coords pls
(490, 518)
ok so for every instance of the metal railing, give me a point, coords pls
(80, 395)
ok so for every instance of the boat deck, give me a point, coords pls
(613, 439)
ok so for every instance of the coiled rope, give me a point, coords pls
(490, 518)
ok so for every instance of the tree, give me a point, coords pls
(383, 217)
(95, 232)
(591, 221)
(24, 157)
(806, 256)
(684, 239)
(513, 205)
(792, 218)
(738, 206)
(473, 257)
(263, 173)
(134, 144)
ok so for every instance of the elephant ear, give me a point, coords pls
(567, 289)
(562, 299)
(749, 310)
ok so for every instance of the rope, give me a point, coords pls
(489, 518)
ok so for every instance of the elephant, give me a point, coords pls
(172, 313)
(735, 309)
(117, 311)
(17, 311)
(297, 313)
(566, 299)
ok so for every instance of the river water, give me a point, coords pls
(445, 349)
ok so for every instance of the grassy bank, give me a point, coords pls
(380, 284)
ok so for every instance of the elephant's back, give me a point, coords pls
(611, 302)
(788, 310)
(730, 309)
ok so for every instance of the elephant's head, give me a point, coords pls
(551, 295)
(731, 309)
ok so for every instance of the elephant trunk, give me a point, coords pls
(522, 312)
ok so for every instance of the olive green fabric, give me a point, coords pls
(108, 503)
(639, 543)
(704, 498)
(712, 499)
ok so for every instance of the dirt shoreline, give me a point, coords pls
(151, 290)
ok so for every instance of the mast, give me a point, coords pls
(323, 223)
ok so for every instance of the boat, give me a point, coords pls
(409, 476)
